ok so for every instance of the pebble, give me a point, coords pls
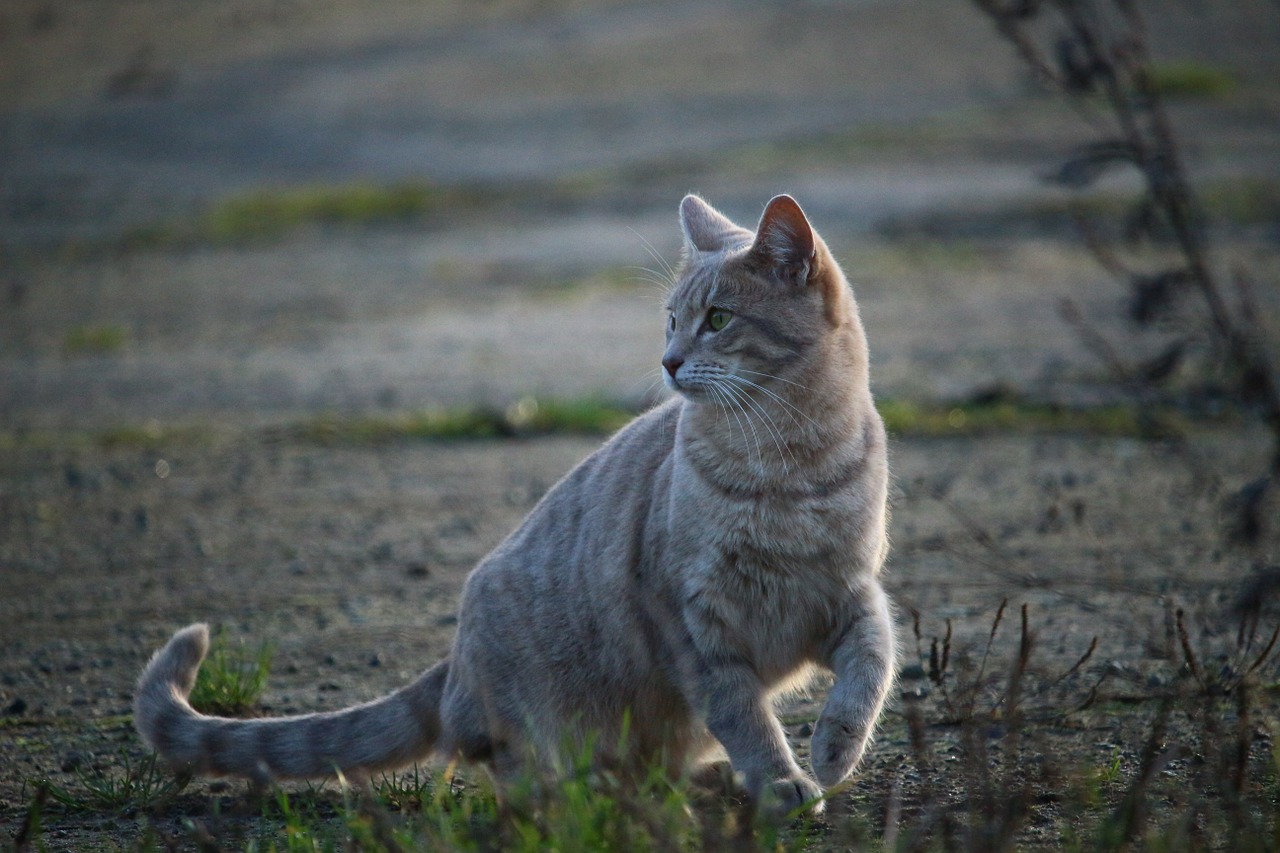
(912, 672)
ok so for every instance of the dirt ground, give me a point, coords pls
(145, 480)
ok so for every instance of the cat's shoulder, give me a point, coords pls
(646, 440)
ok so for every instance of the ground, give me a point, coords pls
(161, 382)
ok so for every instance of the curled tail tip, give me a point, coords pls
(191, 644)
(177, 663)
(159, 703)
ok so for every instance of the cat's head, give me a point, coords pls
(751, 309)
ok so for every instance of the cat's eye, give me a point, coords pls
(671, 322)
(718, 318)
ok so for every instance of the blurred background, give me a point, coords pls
(275, 208)
(251, 251)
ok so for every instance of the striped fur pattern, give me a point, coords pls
(710, 556)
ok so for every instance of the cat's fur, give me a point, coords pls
(708, 557)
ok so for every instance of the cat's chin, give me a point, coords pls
(683, 389)
(691, 393)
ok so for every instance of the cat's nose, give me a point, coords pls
(672, 364)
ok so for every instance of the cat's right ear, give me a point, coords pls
(707, 229)
(785, 240)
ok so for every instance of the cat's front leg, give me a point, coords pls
(740, 716)
(864, 661)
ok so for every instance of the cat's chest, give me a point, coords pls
(789, 529)
(776, 611)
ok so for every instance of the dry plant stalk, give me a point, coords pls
(1099, 56)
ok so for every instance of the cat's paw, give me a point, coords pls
(786, 795)
(836, 749)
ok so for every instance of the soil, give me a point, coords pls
(145, 481)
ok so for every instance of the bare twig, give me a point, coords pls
(1101, 50)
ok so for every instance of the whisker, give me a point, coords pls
(650, 391)
(774, 378)
(655, 254)
(655, 280)
(781, 400)
(779, 440)
(732, 407)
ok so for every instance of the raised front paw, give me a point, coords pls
(836, 749)
(787, 795)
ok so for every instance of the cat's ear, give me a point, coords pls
(785, 240)
(707, 229)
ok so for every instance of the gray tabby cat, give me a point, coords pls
(706, 559)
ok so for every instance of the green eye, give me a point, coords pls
(718, 318)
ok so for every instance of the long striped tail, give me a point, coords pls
(389, 732)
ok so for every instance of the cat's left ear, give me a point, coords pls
(785, 240)
(707, 229)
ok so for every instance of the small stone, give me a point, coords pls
(805, 730)
(912, 672)
(16, 708)
(72, 762)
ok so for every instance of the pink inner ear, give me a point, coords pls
(786, 235)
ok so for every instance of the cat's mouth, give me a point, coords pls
(697, 388)
(683, 387)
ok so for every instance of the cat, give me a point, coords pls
(712, 555)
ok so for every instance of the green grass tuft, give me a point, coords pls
(525, 418)
(134, 786)
(270, 213)
(1011, 415)
(232, 679)
(95, 340)
(1243, 200)
(1191, 79)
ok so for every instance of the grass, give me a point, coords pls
(264, 215)
(975, 760)
(1242, 201)
(135, 785)
(232, 678)
(270, 213)
(1003, 414)
(95, 340)
(1191, 79)
(526, 417)
(532, 417)
(151, 435)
